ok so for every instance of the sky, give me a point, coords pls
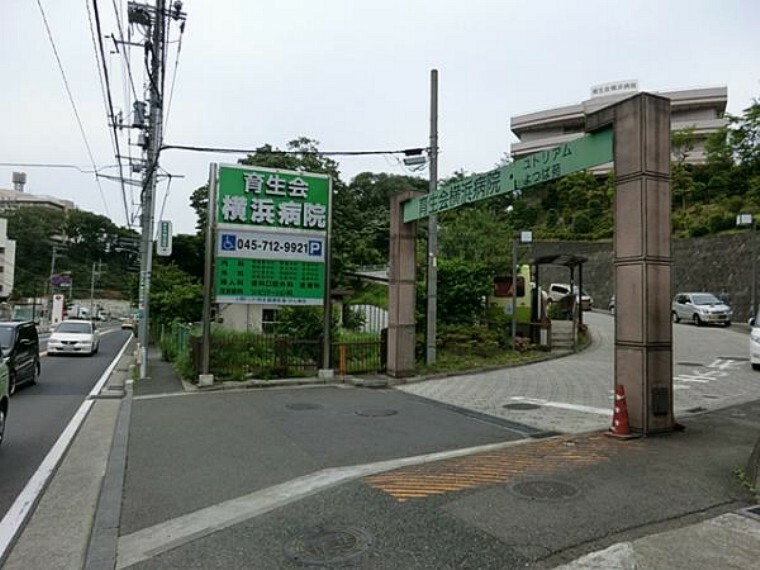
(352, 74)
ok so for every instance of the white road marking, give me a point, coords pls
(22, 507)
(152, 541)
(564, 406)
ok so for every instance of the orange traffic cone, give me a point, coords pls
(620, 429)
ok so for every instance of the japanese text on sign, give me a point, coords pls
(584, 152)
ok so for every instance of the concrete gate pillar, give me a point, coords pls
(643, 328)
(402, 292)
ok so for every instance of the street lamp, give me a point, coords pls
(522, 237)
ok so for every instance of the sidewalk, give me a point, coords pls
(228, 479)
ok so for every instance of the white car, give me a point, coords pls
(74, 336)
(701, 309)
(558, 291)
(754, 342)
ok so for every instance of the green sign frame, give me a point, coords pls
(585, 152)
(272, 230)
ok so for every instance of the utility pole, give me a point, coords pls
(92, 285)
(156, 87)
(432, 262)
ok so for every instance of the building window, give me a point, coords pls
(269, 320)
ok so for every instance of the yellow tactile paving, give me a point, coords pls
(536, 458)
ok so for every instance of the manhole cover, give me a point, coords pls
(689, 364)
(303, 406)
(328, 546)
(697, 409)
(376, 413)
(521, 406)
(545, 490)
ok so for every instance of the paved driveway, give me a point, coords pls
(574, 394)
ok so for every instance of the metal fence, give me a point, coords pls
(174, 339)
(359, 354)
(264, 356)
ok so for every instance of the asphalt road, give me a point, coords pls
(38, 414)
(203, 468)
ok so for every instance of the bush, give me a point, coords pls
(461, 339)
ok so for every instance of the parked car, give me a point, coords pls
(128, 323)
(74, 336)
(4, 399)
(20, 346)
(700, 309)
(754, 341)
(557, 291)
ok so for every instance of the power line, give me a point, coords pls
(174, 76)
(71, 100)
(110, 105)
(126, 57)
(163, 204)
(56, 165)
(291, 152)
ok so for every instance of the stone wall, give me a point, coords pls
(699, 264)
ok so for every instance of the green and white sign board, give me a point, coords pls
(271, 237)
(164, 244)
(585, 152)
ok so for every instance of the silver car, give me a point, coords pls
(701, 309)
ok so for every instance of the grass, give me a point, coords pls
(741, 475)
(458, 362)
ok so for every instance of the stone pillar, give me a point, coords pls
(402, 293)
(642, 257)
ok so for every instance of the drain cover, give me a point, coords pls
(303, 406)
(545, 490)
(697, 409)
(376, 413)
(521, 406)
(689, 364)
(710, 397)
(328, 546)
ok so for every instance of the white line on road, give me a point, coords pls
(564, 406)
(152, 541)
(22, 507)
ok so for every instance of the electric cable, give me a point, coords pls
(223, 150)
(71, 100)
(110, 109)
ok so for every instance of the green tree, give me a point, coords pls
(462, 286)
(174, 295)
(33, 229)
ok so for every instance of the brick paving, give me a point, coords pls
(574, 394)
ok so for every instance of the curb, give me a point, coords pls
(75, 487)
(379, 381)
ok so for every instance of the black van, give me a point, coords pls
(20, 348)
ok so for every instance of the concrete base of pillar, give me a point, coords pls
(326, 374)
(205, 380)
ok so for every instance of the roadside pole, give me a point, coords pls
(432, 262)
(208, 275)
(149, 182)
